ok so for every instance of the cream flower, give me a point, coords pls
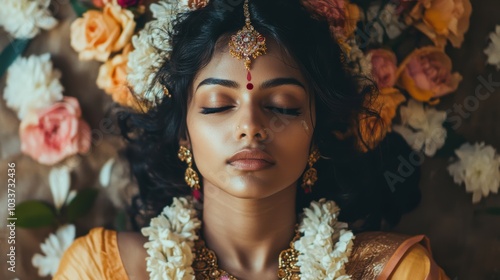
(152, 48)
(326, 245)
(493, 49)
(32, 84)
(422, 128)
(171, 237)
(59, 181)
(478, 166)
(53, 248)
(24, 18)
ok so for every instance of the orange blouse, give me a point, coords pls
(377, 256)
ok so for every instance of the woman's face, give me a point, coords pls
(250, 143)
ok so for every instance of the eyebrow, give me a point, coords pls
(265, 85)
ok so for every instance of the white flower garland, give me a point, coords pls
(324, 248)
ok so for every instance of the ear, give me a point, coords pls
(184, 141)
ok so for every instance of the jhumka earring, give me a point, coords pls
(191, 177)
(247, 44)
(311, 175)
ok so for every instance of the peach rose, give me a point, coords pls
(384, 67)
(426, 75)
(54, 133)
(441, 20)
(372, 130)
(97, 34)
(112, 78)
(340, 14)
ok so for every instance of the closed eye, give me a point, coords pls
(207, 110)
(284, 111)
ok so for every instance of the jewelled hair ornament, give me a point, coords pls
(247, 44)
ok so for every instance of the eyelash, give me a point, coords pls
(284, 111)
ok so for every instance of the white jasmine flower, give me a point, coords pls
(324, 249)
(24, 18)
(32, 84)
(171, 239)
(326, 245)
(53, 248)
(493, 49)
(422, 128)
(357, 60)
(59, 181)
(152, 48)
(478, 166)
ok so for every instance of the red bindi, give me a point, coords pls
(249, 78)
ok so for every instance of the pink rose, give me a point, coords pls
(426, 75)
(54, 133)
(383, 67)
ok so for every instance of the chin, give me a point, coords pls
(252, 187)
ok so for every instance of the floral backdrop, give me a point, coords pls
(67, 65)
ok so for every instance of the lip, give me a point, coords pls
(251, 160)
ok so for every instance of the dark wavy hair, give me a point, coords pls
(356, 181)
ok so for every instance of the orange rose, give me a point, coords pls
(426, 75)
(384, 67)
(55, 133)
(112, 78)
(372, 130)
(441, 20)
(340, 14)
(97, 34)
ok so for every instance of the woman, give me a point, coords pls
(254, 125)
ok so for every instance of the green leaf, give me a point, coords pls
(78, 7)
(11, 52)
(81, 204)
(35, 214)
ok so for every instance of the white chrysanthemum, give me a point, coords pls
(479, 168)
(171, 239)
(422, 128)
(32, 84)
(326, 245)
(53, 248)
(24, 18)
(151, 49)
(493, 49)
(384, 21)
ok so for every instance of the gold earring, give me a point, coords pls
(311, 175)
(191, 177)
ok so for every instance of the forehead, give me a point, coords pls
(275, 63)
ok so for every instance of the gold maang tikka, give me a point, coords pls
(247, 43)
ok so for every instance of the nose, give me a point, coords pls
(251, 126)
